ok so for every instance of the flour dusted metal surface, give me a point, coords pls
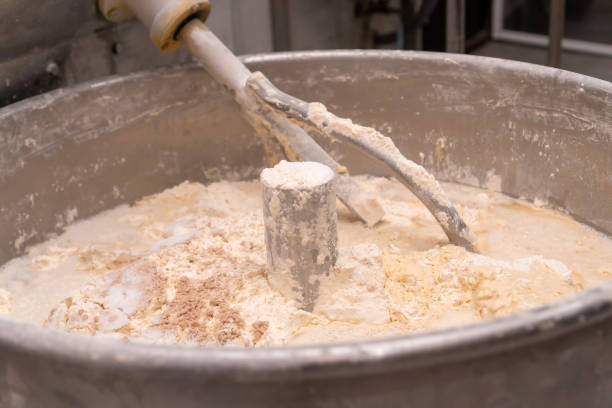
(299, 211)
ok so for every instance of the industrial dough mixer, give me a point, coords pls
(558, 354)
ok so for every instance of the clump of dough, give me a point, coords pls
(448, 286)
(6, 301)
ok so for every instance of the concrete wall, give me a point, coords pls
(54, 43)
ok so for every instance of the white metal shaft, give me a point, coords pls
(216, 58)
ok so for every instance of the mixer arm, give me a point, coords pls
(173, 23)
(422, 184)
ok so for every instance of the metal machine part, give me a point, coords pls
(301, 223)
(542, 132)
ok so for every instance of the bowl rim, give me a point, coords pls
(410, 351)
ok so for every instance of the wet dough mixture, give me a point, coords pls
(188, 266)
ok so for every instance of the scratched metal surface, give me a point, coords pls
(539, 132)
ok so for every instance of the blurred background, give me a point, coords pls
(55, 43)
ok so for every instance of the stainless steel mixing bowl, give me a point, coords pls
(546, 133)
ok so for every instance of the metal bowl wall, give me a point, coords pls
(546, 133)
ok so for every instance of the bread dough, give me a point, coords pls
(188, 266)
(6, 301)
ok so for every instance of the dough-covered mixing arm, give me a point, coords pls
(315, 117)
(282, 120)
